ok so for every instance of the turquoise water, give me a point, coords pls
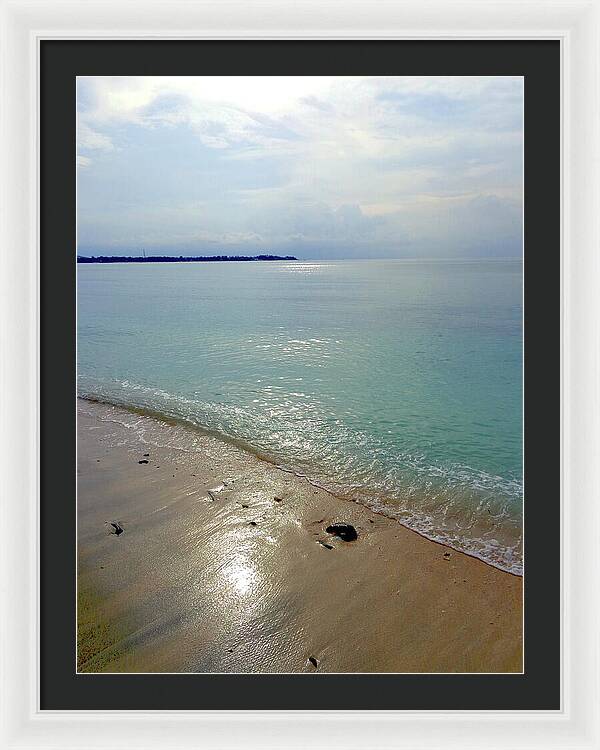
(395, 383)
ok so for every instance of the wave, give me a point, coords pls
(471, 511)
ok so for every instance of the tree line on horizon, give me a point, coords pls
(176, 258)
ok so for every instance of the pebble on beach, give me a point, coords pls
(324, 544)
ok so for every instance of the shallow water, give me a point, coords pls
(395, 383)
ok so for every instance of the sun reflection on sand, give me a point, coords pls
(241, 574)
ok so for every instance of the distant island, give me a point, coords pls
(176, 258)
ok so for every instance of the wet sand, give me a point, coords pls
(221, 567)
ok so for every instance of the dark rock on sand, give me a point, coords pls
(146, 455)
(118, 529)
(314, 661)
(345, 531)
(252, 523)
(278, 499)
(143, 461)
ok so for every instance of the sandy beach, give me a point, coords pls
(224, 565)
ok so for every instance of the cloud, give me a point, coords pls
(89, 139)
(429, 165)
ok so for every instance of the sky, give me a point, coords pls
(316, 167)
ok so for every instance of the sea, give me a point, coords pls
(397, 384)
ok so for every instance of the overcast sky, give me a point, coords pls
(316, 167)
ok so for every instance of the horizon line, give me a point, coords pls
(312, 259)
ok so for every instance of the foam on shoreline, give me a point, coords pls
(488, 551)
(225, 566)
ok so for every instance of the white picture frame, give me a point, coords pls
(576, 23)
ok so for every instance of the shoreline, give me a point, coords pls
(243, 445)
(225, 566)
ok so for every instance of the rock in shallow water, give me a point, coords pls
(345, 531)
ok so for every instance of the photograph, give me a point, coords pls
(300, 361)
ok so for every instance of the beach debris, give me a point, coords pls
(447, 555)
(345, 531)
(143, 461)
(252, 523)
(146, 455)
(215, 490)
(278, 499)
(118, 529)
(371, 520)
(314, 661)
(245, 506)
(324, 544)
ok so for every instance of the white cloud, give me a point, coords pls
(91, 139)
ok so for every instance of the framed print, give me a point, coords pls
(298, 326)
(306, 464)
